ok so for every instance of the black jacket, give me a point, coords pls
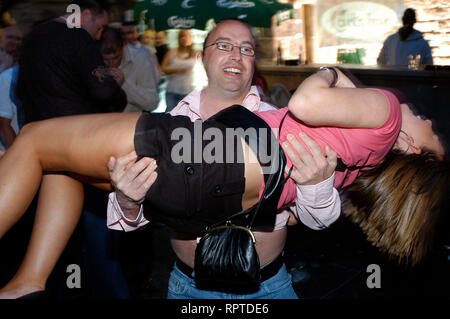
(62, 72)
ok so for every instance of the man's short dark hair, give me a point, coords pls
(111, 40)
(96, 6)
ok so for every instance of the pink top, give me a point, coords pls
(356, 147)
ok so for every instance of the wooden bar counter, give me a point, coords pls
(428, 90)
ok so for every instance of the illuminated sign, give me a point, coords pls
(359, 20)
(177, 22)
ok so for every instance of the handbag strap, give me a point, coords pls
(265, 195)
(266, 192)
(341, 166)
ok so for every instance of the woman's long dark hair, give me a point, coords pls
(398, 203)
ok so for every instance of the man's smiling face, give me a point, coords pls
(229, 71)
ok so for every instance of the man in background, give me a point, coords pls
(131, 35)
(123, 61)
(161, 45)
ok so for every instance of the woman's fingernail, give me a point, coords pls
(285, 145)
(290, 137)
(302, 134)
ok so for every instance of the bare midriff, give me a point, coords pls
(269, 244)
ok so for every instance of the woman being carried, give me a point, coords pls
(402, 193)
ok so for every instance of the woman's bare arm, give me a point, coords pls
(315, 103)
(166, 62)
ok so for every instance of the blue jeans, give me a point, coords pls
(278, 286)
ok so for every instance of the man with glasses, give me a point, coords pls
(229, 60)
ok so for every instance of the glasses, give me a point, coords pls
(228, 47)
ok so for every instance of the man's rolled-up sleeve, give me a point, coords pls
(318, 206)
(116, 220)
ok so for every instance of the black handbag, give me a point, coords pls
(225, 258)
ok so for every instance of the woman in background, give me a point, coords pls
(178, 65)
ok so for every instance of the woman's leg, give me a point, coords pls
(53, 145)
(58, 211)
(75, 144)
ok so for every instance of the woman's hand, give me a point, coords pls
(343, 81)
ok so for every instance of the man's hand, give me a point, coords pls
(131, 181)
(118, 75)
(312, 167)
